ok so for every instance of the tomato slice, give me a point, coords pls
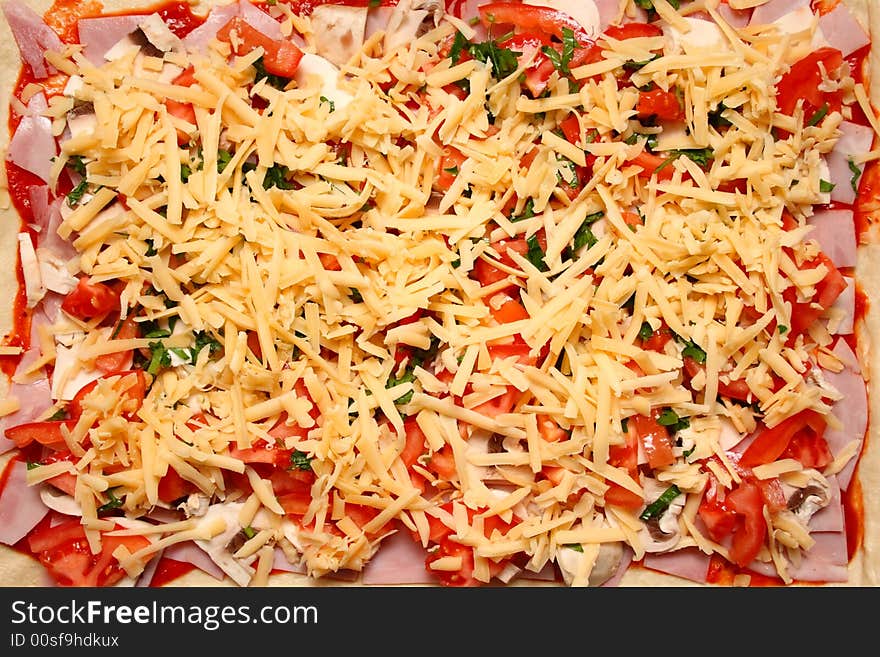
(770, 444)
(134, 393)
(486, 273)
(48, 433)
(64, 551)
(655, 440)
(617, 495)
(90, 300)
(803, 81)
(650, 164)
(450, 164)
(532, 18)
(633, 30)
(530, 45)
(119, 360)
(751, 530)
(662, 104)
(262, 452)
(280, 57)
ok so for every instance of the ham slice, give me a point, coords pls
(846, 304)
(32, 35)
(852, 410)
(774, 10)
(854, 140)
(34, 398)
(98, 35)
(735, 17)
(842, 30)
(146, 577)
(281, 563)
(687, 563)
(400, 560)
(836, 234)
(830, 518)
(38, 195)
(32, 146)
(191, 553)
(259, 19)
(199, 38)
(826, 561)
(21, 508)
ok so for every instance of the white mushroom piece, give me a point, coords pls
(572, 559)
(665, 502)
(805, 501)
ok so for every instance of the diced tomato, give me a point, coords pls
(770, 444)
(64, 551)
(810, 448)
(442, 463)
(90, 300)
(280, 57)
(804, 80)
(650, 163)
(617, 495)
(329, 262)
(719, 519)
(119, 360)
(362, 515)
(486, 273)
(509, 311)
(48, 433)
(529, 45)
(571, 128)
(173, 487)
(550, 430)
(450, 163)
(464, 576)
(625, 456)
(751, 530)
(658, 340)
(503, 403)
(662, 104)
(134, 392)
(655, 440)
(287, 480)
(633, 31)
(295, 504)
(262, 452)
(532, 18)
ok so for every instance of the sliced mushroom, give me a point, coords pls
(195, 506)
(661, 532)
(60, 501)
(805, 502)
(607, 563)
(218, 548)
(409, 20)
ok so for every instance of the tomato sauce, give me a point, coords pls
(169, 570)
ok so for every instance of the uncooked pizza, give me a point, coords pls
(505, 293)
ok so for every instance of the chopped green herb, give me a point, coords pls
(276, 176)
(692, 350)
(646, 331)
(114, 502)
(185, 173)
(75, 195)
(151, 248)
(503, 60)
(656, 508)
(408, 376)
(669, 419)
(459, 44)
(332, 105)
(648, 5)
(203, 339)
(857, 173)
(624, 425)
(825, 187)
(355, 295)
(562, 60)
(584, 236)
(528, 211)
(223, 159)
(159, 357)
(577, 547)
(452, 171)
(249, 532)
(782, 329)
(535, 254)
(33, 466)
(77, 163)
(375, 3)
(300, 460)
(702, 156)
(60, 414)
(716, 120)
(819, 115)
(689, 452)
(573, 181)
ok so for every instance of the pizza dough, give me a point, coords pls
(17, 569)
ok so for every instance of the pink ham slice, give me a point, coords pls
(191, 553)
(281, 563)
(842, 31)
(825, 562)
(547, 574)
(34, 398)
(199, 38)
(835, 232)
(852, 410)
(774, 10)
(98, 35)
(21, 507)
(32, 35)
(688, 563)
(854, 140)
(146, 577)
(32, 146)
(735, 17)
(259, 19)
(846, 303)
(625, 563)
(377, 20)
(399, 560)
(38, 195)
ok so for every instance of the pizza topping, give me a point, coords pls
(527, 292)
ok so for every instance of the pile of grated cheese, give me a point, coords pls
(320, 275)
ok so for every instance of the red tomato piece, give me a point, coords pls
(90, 300)
(532, 18)
(650, 164)
(617, 495)
(64, 551)
(530, 45)
(280, 57)
(751, 530)
(48, 433)
(136, 382)
(173, 487)
(803, 81)
(633, 30)
(662, 104)
(119, 360)
(772, 443)
(486, 273)
(450, 165)
(655, 440)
